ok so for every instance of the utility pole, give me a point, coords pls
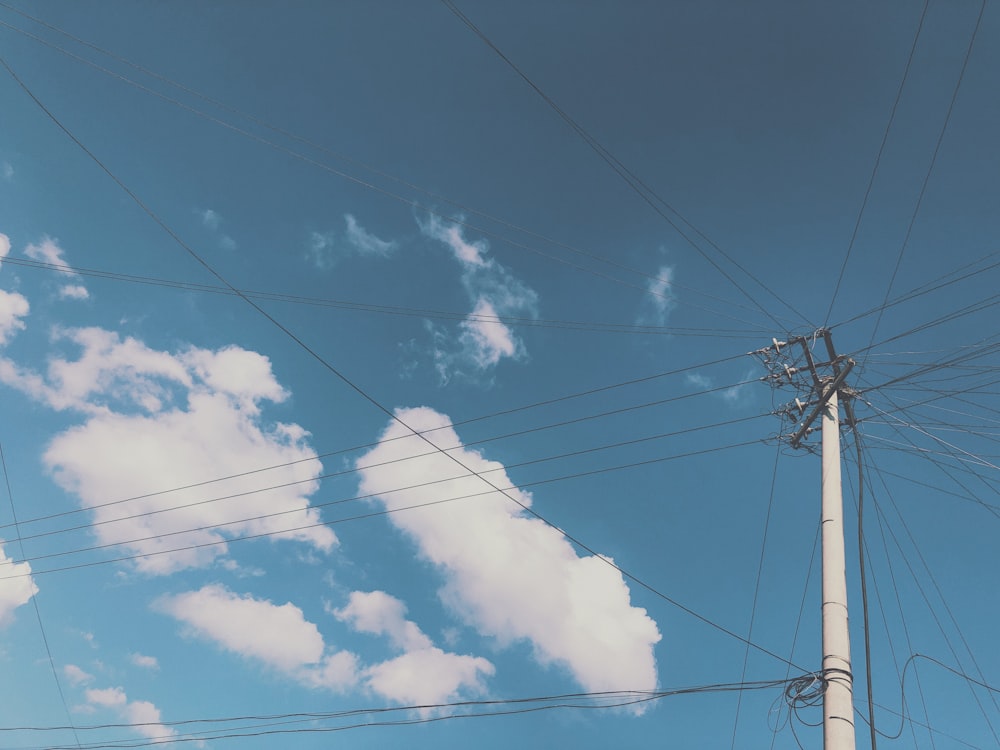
(792, 364)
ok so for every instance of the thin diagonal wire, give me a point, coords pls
(457, 220)
(638, 186)
(354, 386)
(930, 168)
(34, 602)
(878, 160)
(756, 589)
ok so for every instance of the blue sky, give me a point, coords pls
(345, 383)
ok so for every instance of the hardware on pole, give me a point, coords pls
(818, 386)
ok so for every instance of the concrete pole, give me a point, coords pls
(838, 703)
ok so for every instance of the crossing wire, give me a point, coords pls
(648, 195)
(34, 603)
(457, 220)
(450, 425)
(375, 514)
(367, 467)
(930, 168)
(350, 383)
(878, 160)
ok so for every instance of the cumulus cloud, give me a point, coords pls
(4, 245)
(74, 291)
(77, 676)
(146, 662)
(508, 575)
(659, 299)
(13, 309)
(16, 586)
(483, 339)
(423, 673)
(284, 640)
(48, 251)
(156, 420)
(145, 716)
(380, 613)
(280, 635)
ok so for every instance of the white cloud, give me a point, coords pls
(467, 253)
(508, 575)
(76, 675)
(8, 171)
(380, 613)
(146, 662)
(13, 309)
(698, 380)
(145, 716)
(74, 291)
(106, 697)
(659, 299)
(157, 420)
(365, 242)
(482, 340)
(283, 639)
(485, 340)
(280, 638)
(4, 245)
(16, 586)
(325, 249)
(48, 251)
(735, 395)
(423, 673)
(278, 635)
(428, 676)
(210, 218)
(320, 250)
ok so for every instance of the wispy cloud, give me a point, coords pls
(365, 242)
(48, 251)
(482, 339)
(7, 170)
(213, 221)
(659, 300)
(210, 218)
(508, 575)
(736, 395)
(326, 249)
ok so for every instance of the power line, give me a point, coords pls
(572, 325)
(34, 602)
(930, 168)
(648, 195)
(374, 514)
(457, 220)
(450, 425)
(367, 467)
(878, 160)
